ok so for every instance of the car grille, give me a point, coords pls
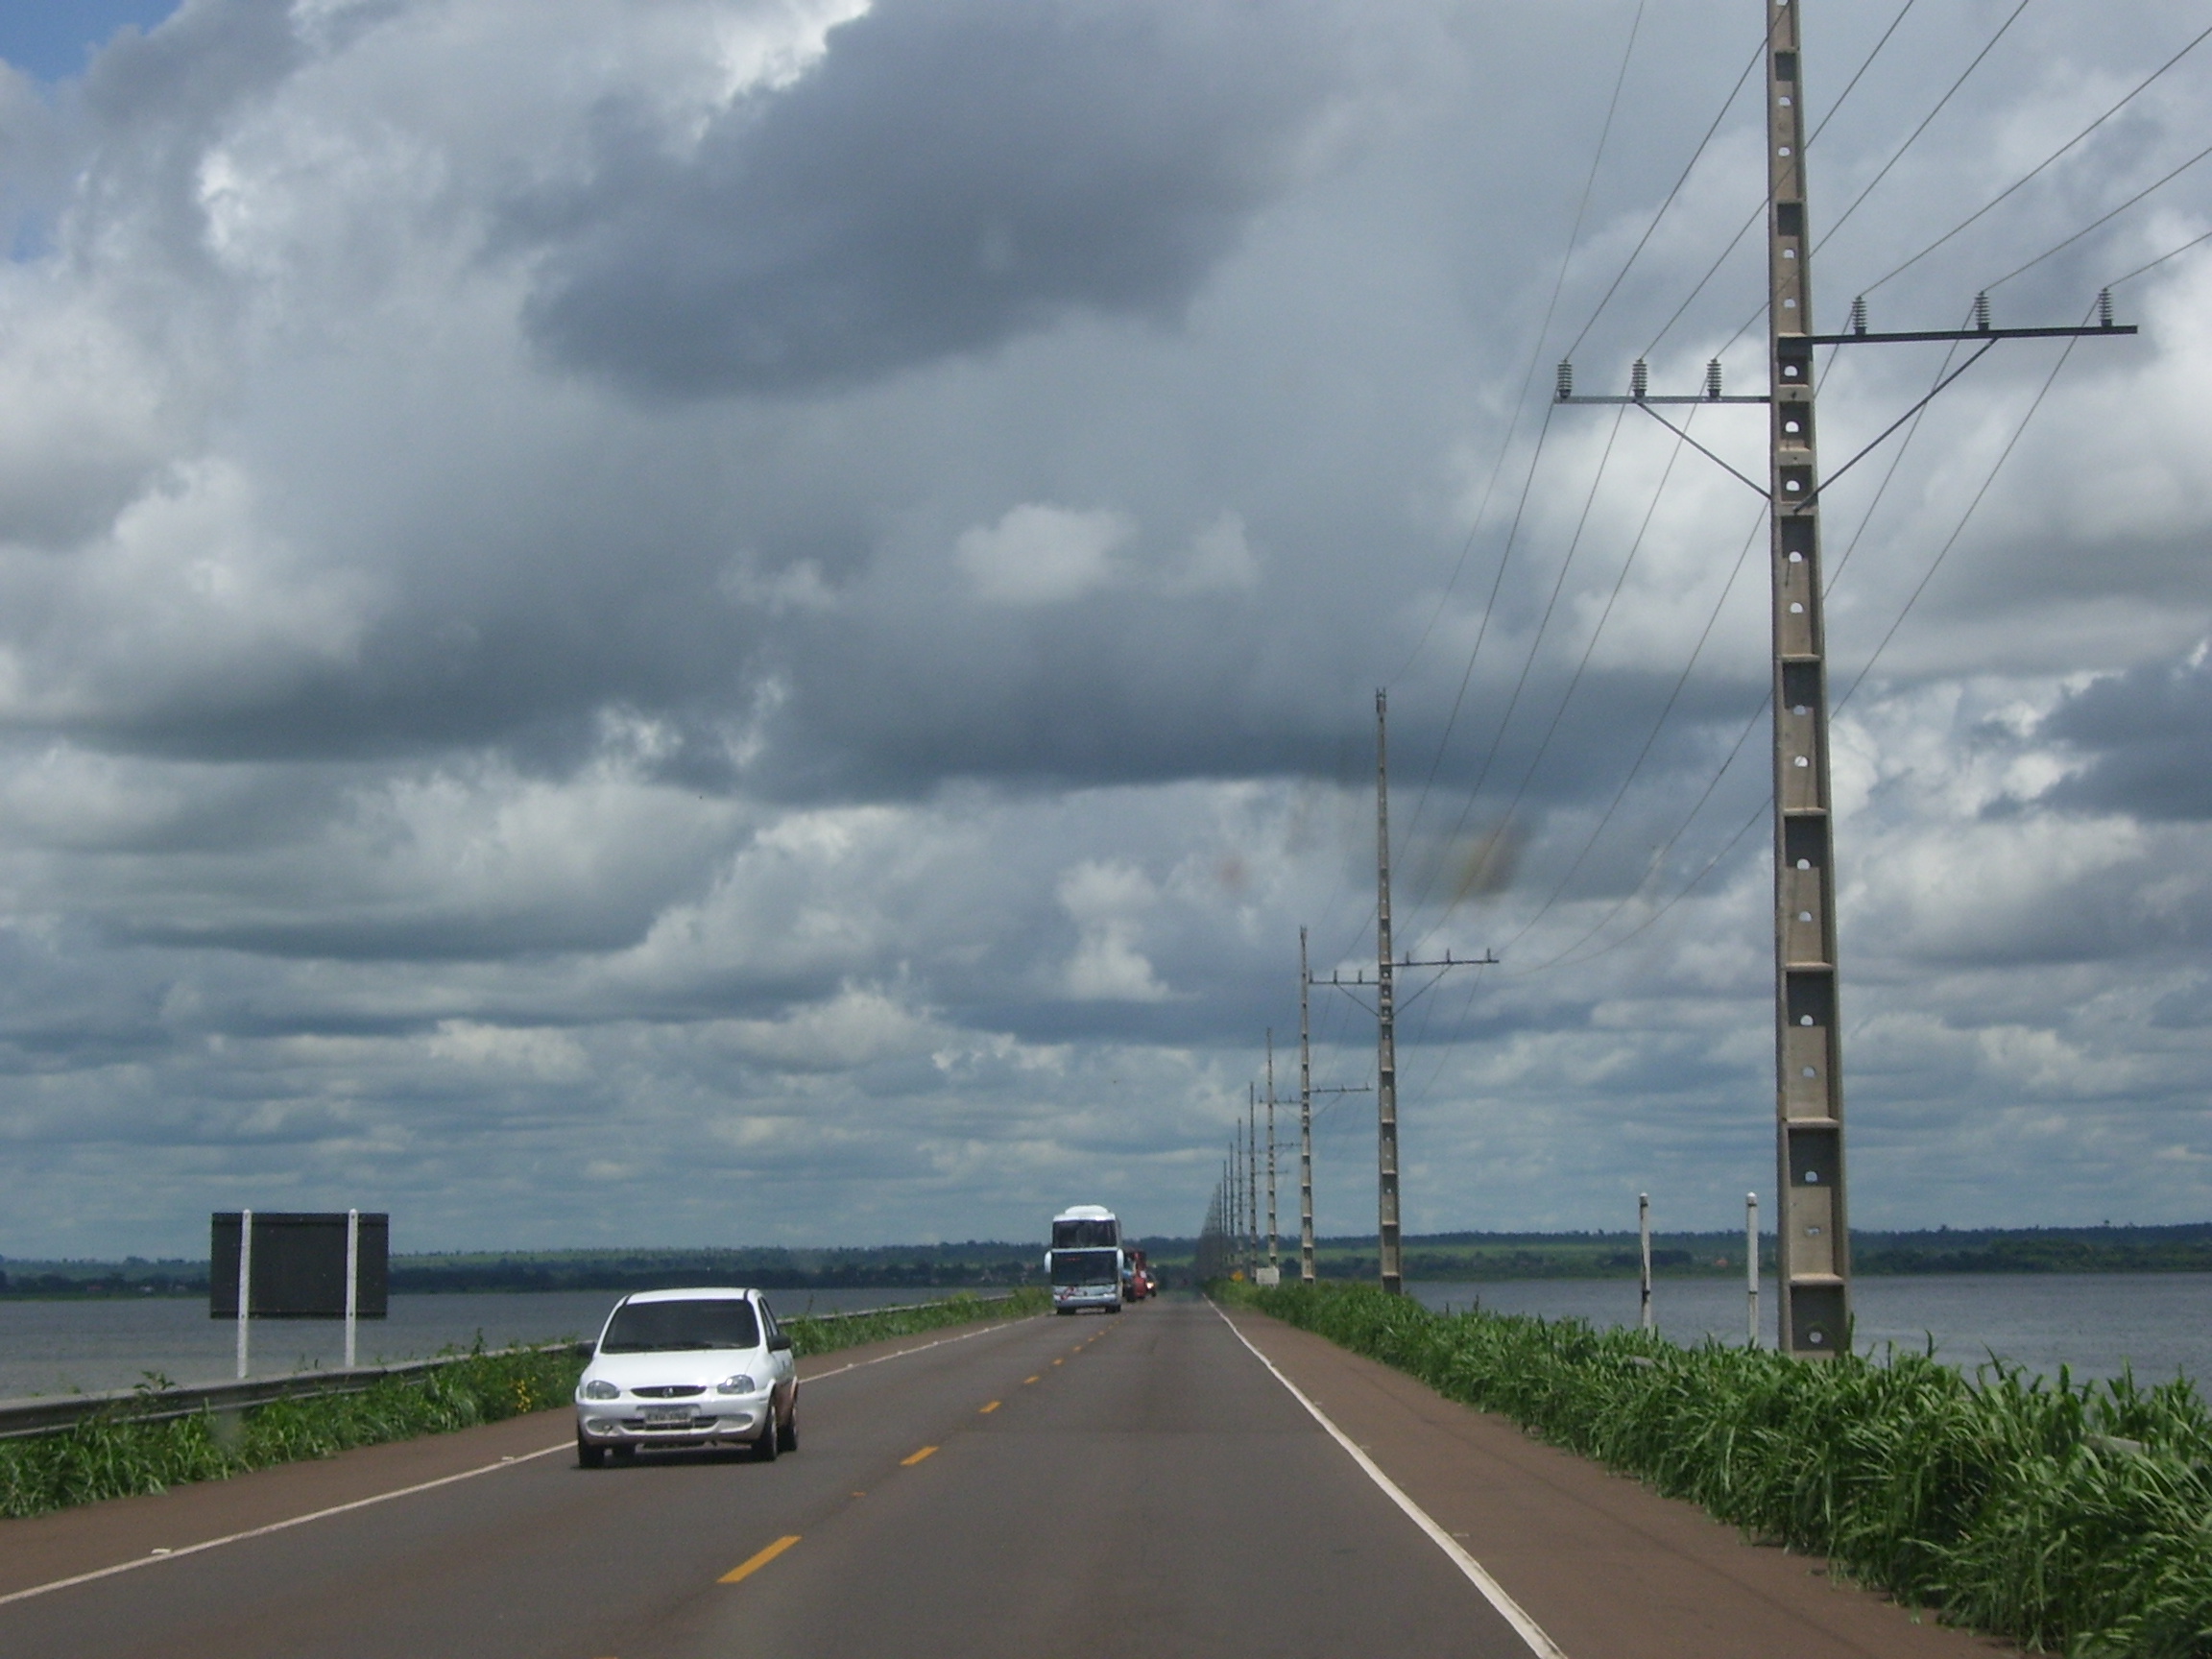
(672, 1391)
(689, 1425)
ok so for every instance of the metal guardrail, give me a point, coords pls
(55, 1415)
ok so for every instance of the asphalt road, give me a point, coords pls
(1136, 1485)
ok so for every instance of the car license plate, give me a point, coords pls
(670, 1414)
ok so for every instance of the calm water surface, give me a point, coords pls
(71, 1347)
(2096, 1324)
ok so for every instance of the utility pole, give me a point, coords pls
(1643, 1244)
(1812, 1222)
(1752, 1268)
(1387, 1230)
(1252, 1174)
(1305, 1120)
(1273, 1264)
(1386, 1019)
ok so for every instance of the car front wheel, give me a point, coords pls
(765, 1447)
(588, 1456)
(787, 1436)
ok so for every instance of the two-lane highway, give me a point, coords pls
(1141, 1484)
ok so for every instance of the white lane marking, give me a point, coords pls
(1493, 1591)
(177, 1555)
(506, 1462)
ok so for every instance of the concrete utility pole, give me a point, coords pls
(1751, 1267)
(1815, 1280)
(1644, 1241)
(1272, 1261)
(1811, 1225)
(1305, 1119)
(1252, 1174)
(1385, 1019)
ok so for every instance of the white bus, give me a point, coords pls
(1085, 1263)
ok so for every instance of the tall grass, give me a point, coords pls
(2065, 1516)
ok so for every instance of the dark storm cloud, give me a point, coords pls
(2147, 735)
(949, 175)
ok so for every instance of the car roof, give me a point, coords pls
(694, 1294)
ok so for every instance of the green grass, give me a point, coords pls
(110, 1456)
(2068, 1517)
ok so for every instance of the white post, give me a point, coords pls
(352, 1278)
(1751, 1265)
(1643, 1231)
(245, 1286)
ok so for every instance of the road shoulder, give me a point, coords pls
(1609, 1568)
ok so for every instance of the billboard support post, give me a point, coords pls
(245, 1288)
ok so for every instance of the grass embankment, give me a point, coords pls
(2074, 1517)
(112, 1457)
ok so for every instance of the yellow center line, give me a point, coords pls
(1026, 1380)
(1059, 1361)
(909, 1463)
(988, 1409)
(746, 1568)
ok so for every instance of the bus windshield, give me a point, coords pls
(1086, 1266)
(1086, 1234)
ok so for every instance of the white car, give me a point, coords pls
(688, 1368)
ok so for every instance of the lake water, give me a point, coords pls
(72, 1347)
(2095, 1324)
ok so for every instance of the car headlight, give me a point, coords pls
(599, 1388)
(737, 1384)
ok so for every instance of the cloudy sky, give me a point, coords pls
(757, 621)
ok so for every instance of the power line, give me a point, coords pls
(1589, 649)
(2104, 219)
(2160, 261)
(1535, 645)
(1744, 229)
(1914, 134)
(2033, 172)
(1622, 275)
(1952, 541)
(1528, 380)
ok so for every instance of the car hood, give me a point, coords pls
(704, 1367)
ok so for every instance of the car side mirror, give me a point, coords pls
(778, 1343)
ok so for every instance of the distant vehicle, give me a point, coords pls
(1085, 1263)
(1136, 1277)
(705, 1367)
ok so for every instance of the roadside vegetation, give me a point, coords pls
(2067, 1517)
(117, 1455)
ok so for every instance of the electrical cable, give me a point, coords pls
(1589, 649)
(1914, 134)
(2160, 261)
(1528, 662)
(1536, 355)
(1944, 552)
(2098, 221)
(1699, 155)
(2033, 172)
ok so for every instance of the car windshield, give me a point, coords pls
(661, 1327)
(1084, 1266)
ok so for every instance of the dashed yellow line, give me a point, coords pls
(1059, 1361)
(909, 1463)
(746, 1568)
(988, 1409)
(1026, 1380)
